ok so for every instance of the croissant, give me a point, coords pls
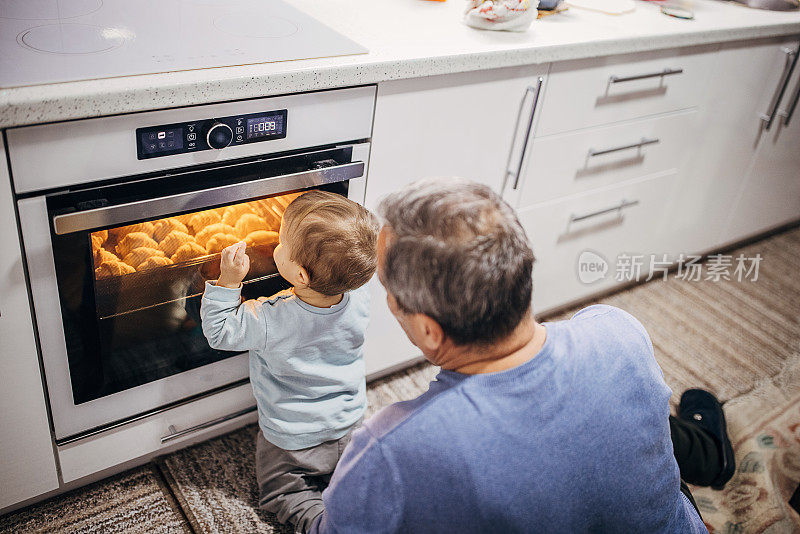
(173, 241)
(146, 227)
(232, 213)
(202, 219)
(102, 234)
(185, 218)
(154, 261)
(163, 227)
(261, 237)
(187, 252)
(248, 223)
(208, 232)
(112, 268)
(132, 241)
(101, 256)
(220, 241)
(97, 242)
(138, 255)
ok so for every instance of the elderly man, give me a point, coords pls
(529, 427)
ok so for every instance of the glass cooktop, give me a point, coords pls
(48, 41)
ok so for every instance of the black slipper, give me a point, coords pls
(704, 410)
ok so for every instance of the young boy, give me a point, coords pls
(305, 344)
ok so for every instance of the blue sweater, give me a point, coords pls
(575, 440)
(306, 363)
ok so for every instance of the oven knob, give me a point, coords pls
(219, 135)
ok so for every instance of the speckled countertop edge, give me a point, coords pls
(94, 98)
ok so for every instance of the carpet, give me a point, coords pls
(764, 427)
(132, 502)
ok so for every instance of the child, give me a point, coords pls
(305, 344)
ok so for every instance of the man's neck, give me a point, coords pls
(315, 298)
(522, 345)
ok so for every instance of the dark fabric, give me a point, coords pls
(696, 452)
(290, 483)
(794, 502)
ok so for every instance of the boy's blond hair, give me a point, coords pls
(334, 239)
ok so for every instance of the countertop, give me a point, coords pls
(406, 39)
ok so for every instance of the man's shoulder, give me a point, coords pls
(610, 317)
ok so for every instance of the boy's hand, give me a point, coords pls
(233, 265)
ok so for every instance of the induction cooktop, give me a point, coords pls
(48, 41)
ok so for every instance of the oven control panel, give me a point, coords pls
(210, 134)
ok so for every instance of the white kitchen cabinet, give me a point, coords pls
(452, 125)
(587, 232)
(27, 462)
(770, 194)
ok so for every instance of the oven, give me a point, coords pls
(123, 219)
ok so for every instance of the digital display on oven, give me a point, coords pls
(266, 126)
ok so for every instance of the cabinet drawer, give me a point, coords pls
(641, 228)
(567, 164)
(598, 91)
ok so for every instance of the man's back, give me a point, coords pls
(574, 440)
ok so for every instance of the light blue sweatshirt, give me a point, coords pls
(306, 363)
(576, 440)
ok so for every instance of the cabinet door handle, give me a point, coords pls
(175, 433)
(619, 207)
(643, 142)
(791, 61)
(790, 111)
(661, 74)
(536, 91)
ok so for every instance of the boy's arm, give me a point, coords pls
(230, 324)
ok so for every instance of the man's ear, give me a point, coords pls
(430, 333)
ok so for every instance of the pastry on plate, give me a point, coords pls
(173, 241)
(208, 232)
(134, 240)
(163, 227)
(112, 268)
(232, 213)
(138, 255)
(248, 223)
(154, 261)
(220, 241)
(261, 237)
(188, 251)
(201, 219)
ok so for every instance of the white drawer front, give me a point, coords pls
(639, 229)
(583, 93)
(566, 164)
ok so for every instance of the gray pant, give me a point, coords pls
(290, 483)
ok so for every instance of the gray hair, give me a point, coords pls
(458, 254)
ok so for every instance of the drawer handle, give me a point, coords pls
(788, 68)
(643, 142)
(619, 207)
(789, 112)
(175, 433)
(536, 91)
(665, 72)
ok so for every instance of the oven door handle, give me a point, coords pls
(197, 200)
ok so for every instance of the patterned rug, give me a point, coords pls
(764, 426)
(134, 502)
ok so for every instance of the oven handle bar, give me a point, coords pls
(175, 433)
(197, 200)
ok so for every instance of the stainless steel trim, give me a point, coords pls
(789, 112)
(143, 209)
(665, 72)
(643, 142)
(536, 92)
(175, 434)
(622, 205)
(791, 61)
